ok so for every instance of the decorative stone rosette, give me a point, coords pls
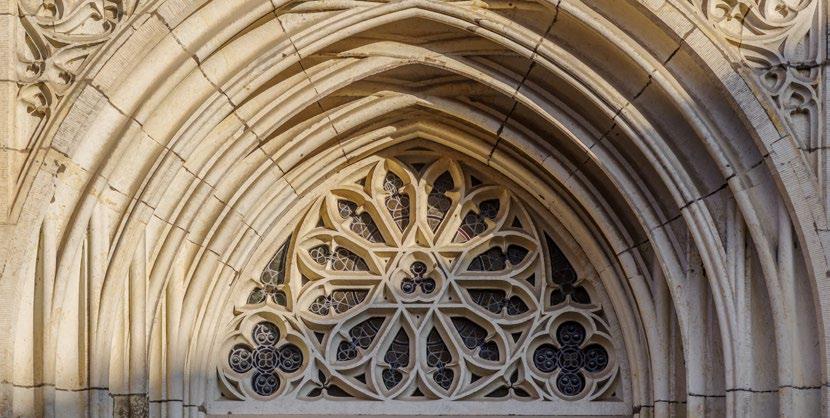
(569, 357)
(418, 277)
(265, 356)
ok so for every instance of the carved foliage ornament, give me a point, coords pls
(417, 278)
(783, 41)
(55, 39)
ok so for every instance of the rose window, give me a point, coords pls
(414, 278)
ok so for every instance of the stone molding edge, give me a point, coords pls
(780, 41)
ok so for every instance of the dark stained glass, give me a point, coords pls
(438, 203)
(397, 203)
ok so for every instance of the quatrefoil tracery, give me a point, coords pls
(264, 359)
(419, 278)
(571, 359)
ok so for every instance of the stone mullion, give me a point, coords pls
(97, 259)
(741, 285)
(173, 358)
(794, 372)
(138, 331)
(29, 364)
(701, 343)
(118, 367)
(71, 338)
(155, 359)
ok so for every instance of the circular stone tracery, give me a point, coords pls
(418, 278)
(269, 358)
(410, 284)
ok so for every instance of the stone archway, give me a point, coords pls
(416, 277)
(165, 149)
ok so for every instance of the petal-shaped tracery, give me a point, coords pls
(440, 308)
(438, 202)
(397, 202)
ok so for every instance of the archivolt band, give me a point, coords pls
(414, 207)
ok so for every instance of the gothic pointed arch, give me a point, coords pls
(213, 207)
(415, 275)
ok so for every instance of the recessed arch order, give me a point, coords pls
(192, 141)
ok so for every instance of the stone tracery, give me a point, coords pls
(432, 296)
(134, 215)
(781, 41)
